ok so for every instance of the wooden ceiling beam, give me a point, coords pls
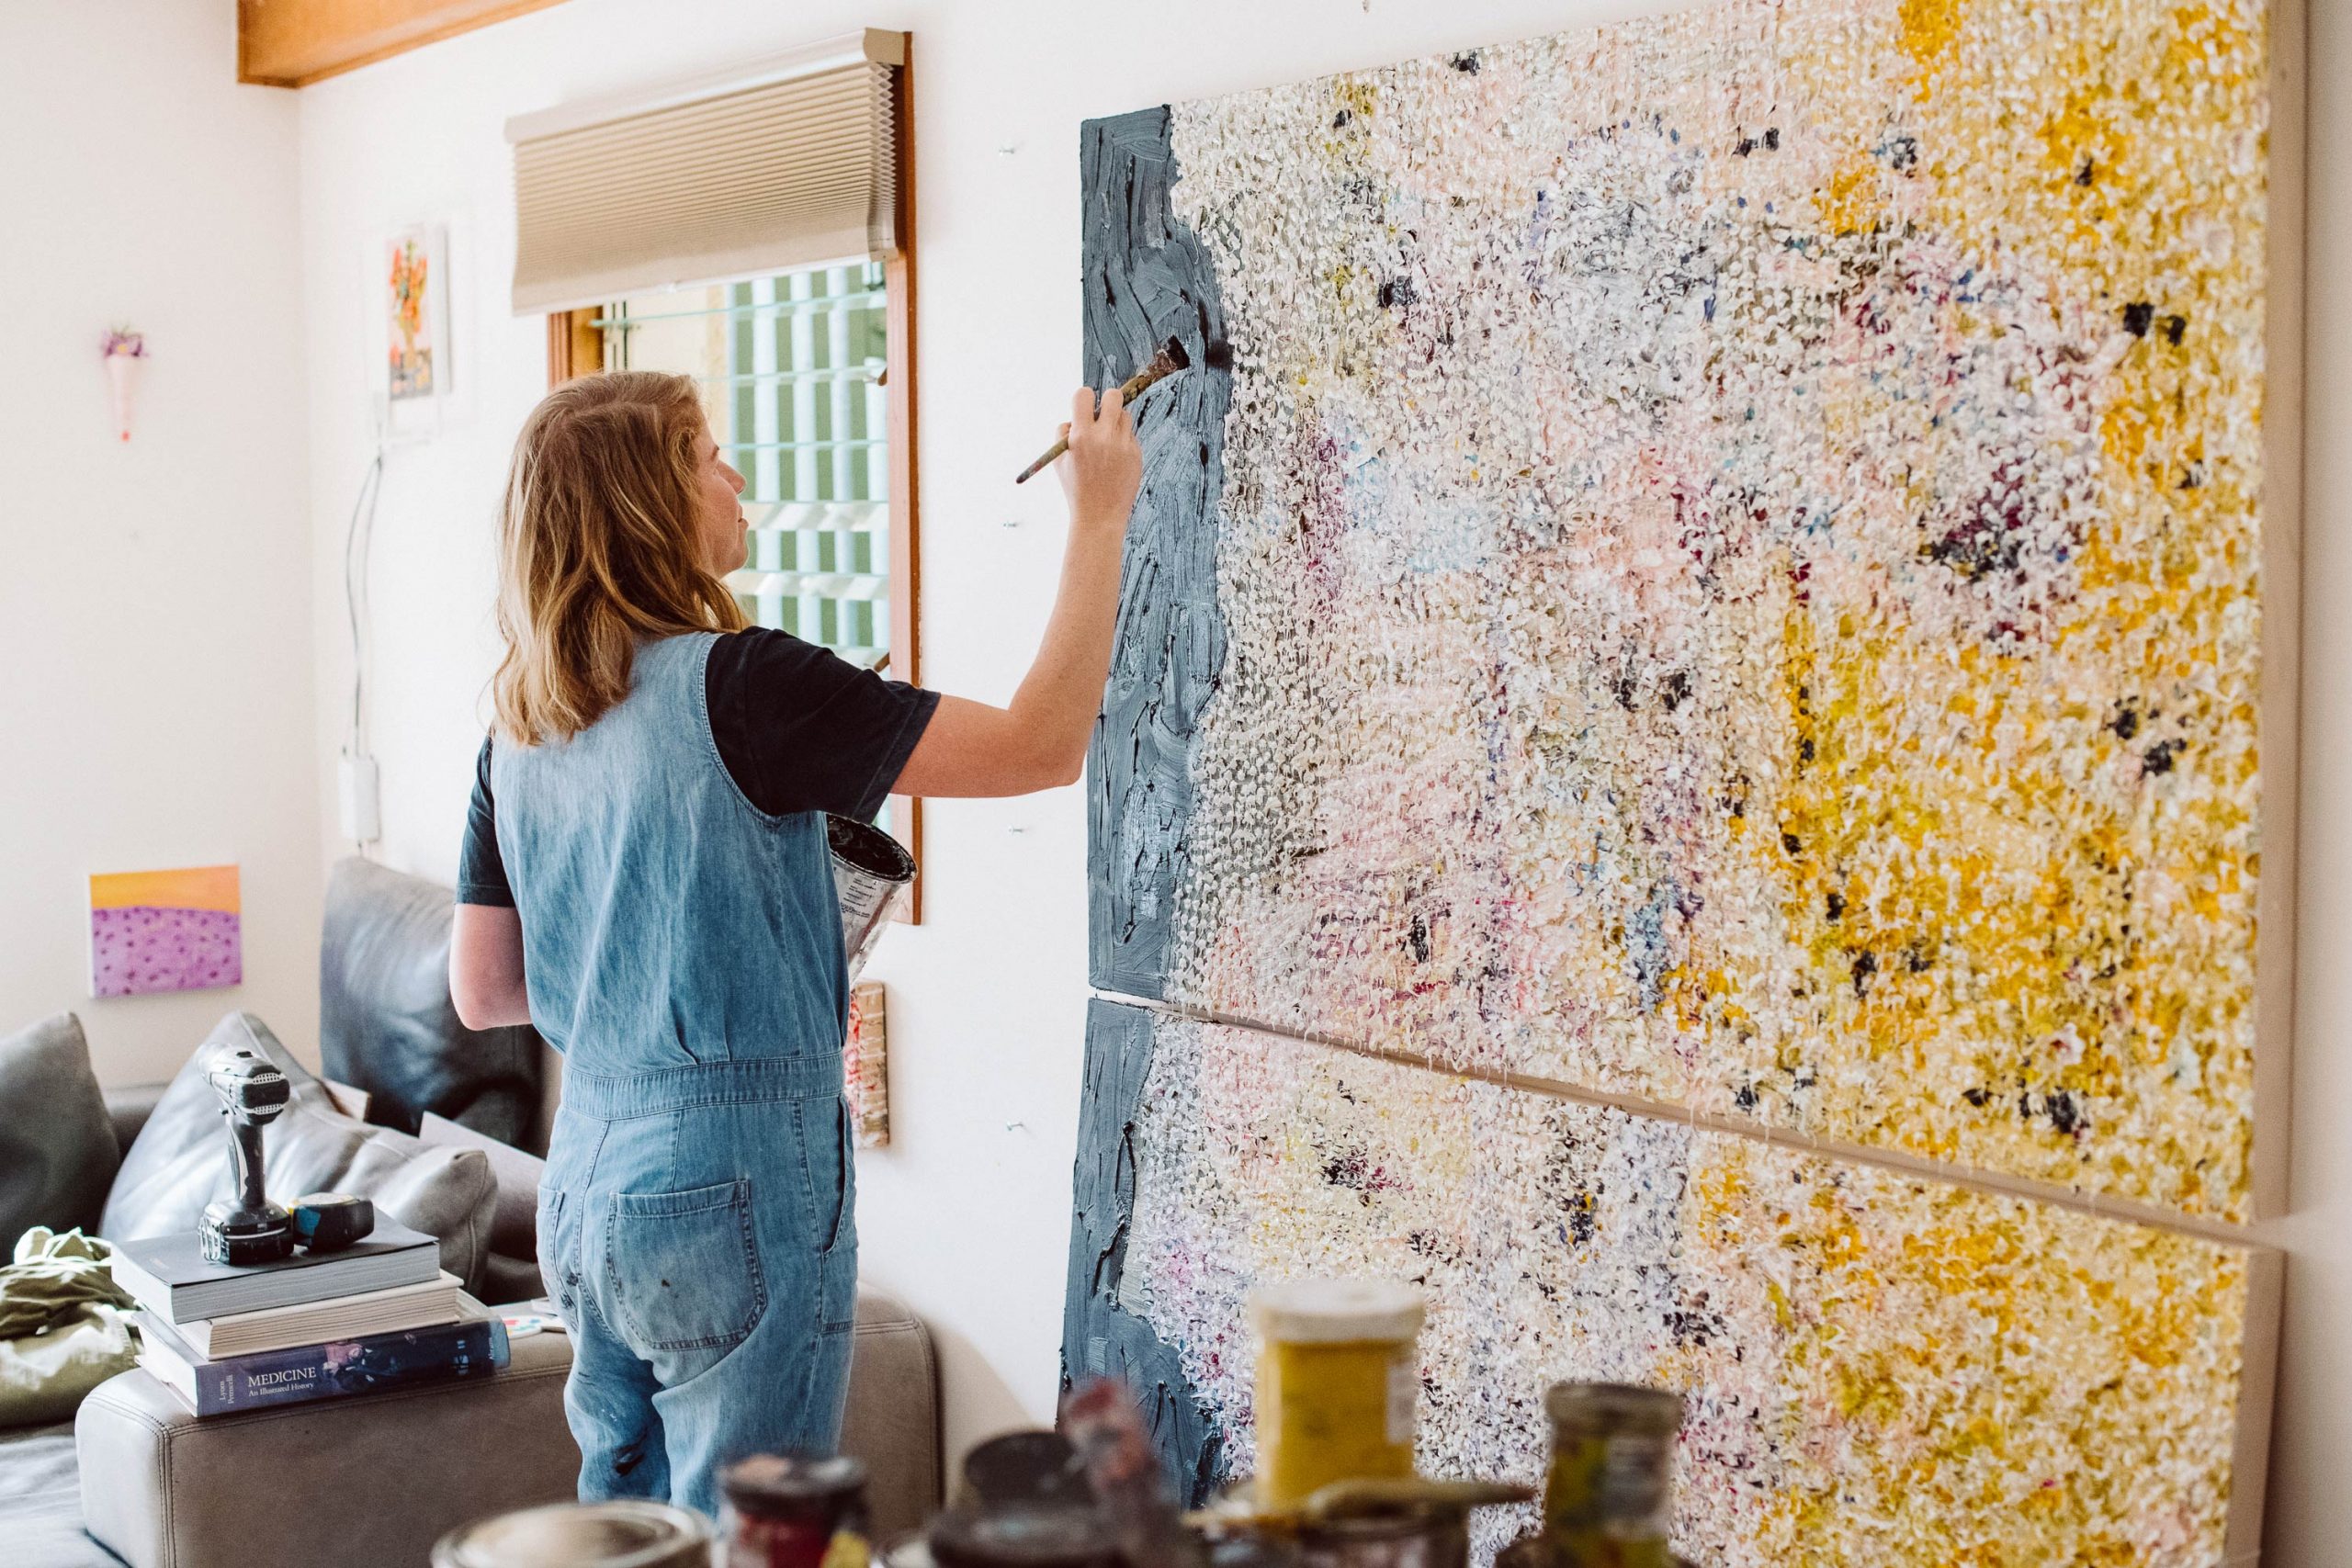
(292, 43)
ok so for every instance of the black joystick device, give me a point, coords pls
(246, 1228)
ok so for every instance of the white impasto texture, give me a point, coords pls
(1879, 1369)
(1738, 555)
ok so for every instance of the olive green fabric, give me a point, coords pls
(62, 1328)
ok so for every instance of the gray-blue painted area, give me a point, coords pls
(1148, 278)
(1099, 1338)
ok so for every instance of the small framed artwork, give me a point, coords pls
(165, 931)
(866, 1065)
(412, 301)
(416, 312)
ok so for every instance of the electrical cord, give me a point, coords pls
(357, 536)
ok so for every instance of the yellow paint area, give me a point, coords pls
(196, 888)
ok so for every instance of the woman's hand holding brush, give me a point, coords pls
(1103, 465)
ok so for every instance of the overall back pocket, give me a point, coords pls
(683, 1269)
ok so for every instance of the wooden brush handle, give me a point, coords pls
(1163, 365)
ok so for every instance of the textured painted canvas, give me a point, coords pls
(1880, 1368)
(1725, 573)
(165, 931)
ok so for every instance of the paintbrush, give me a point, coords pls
(1171, 358)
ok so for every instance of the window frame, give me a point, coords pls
(576, 347)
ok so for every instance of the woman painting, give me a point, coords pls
(645, 879)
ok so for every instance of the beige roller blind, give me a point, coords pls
(768, 166)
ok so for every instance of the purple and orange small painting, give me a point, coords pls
(165, 931)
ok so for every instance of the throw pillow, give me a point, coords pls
(387, 1025)
(180, 1160)
(57, 1150)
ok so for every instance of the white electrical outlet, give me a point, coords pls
(362, 805)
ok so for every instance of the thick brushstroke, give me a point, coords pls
(1148, 278)
(1099, 1338)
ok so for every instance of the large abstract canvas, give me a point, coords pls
(1724, 572)
(1881, 1367)
(1713, 625)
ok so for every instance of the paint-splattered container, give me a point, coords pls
(1610, 1492)
(873, 875)
(581, 1535)
(795, 1511)
(1339, 1384)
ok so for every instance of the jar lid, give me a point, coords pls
(1065, 1535)
(620, 1534)
(1330, 1312)
(790, 1480)
(1626, 1406)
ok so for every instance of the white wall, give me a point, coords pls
(967, 1215)
(155, 705)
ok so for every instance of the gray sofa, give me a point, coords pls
(136, 1479)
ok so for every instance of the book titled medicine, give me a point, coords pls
(475, 1347)
(170, 1276)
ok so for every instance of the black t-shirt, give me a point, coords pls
(800, 728)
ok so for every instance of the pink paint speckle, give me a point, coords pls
(141, 949)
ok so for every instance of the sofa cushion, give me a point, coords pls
(180, 1161)
(387, 1025)
(40, 1502)
(57, 1147)
(397, 1469)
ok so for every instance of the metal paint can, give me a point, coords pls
(1437, 1537)
(581, 1535)
(873, 875)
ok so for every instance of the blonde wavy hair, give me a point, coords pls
(598, 549)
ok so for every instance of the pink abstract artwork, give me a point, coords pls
(165, 931)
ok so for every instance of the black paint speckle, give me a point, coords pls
(2158, 759)
(1836, 905)
(1466, 64)
(1865, 966)
(2175, 327)
(2138, 317)
(2126, 722)
(1979, 1098)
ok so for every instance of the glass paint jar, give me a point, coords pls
(1339, 1384)
(790, 1511)
(1608, 1502)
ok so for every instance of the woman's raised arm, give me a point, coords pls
(1039, 741)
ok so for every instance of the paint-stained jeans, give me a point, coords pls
(697, 1234)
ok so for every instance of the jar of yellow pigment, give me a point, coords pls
(1339, 1384)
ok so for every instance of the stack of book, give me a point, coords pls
(376, 1316)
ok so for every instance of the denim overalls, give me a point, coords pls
(696, 1223)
